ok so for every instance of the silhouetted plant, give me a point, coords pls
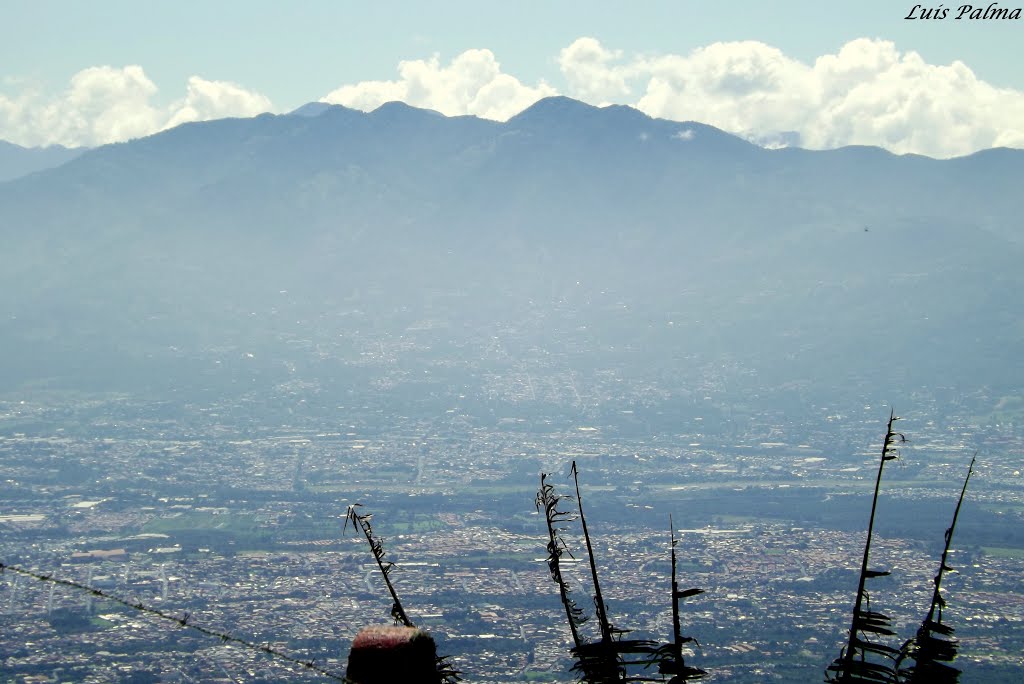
(554, 516)
(934, 645)
(362, 522)
(607, 660)
(603, 660)
(864, 659)
(671, 655)
(446, 672)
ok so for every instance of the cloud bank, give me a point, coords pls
(867, 93)
(472, 83)
(107, 104)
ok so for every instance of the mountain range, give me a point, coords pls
(570, 237)
(17, 161)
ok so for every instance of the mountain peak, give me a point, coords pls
(314, 109)
(554, 107)
(397, 109)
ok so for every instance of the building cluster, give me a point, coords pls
(242, 531)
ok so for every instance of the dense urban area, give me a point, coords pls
(216, 339)
(189, 509)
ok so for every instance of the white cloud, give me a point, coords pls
(101, 104)
(591, 71)
(740, 87)
(206, 100)
(108, 104)
(868, 93)
(472, 83)
(900, 102)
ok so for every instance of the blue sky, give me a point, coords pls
(82, 73)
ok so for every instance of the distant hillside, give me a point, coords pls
(599, 236)
(17, 161)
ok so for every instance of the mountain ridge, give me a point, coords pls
(17, 161)
(776, 259)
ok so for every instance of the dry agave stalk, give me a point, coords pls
(602, 658)
(555, 517)
(864, 659)
(670, 656)
(362, 522)
(934, 646)
(446, 672)
(608, 659)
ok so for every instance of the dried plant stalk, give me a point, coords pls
(864, 659)
(934, 646)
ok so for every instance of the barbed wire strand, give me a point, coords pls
(180, 621)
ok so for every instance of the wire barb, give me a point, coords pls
(180, 621)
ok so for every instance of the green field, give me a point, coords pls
(1002, 552)
(191, 521)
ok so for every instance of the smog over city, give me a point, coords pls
(677, 345)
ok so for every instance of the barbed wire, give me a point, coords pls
(182, 621)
